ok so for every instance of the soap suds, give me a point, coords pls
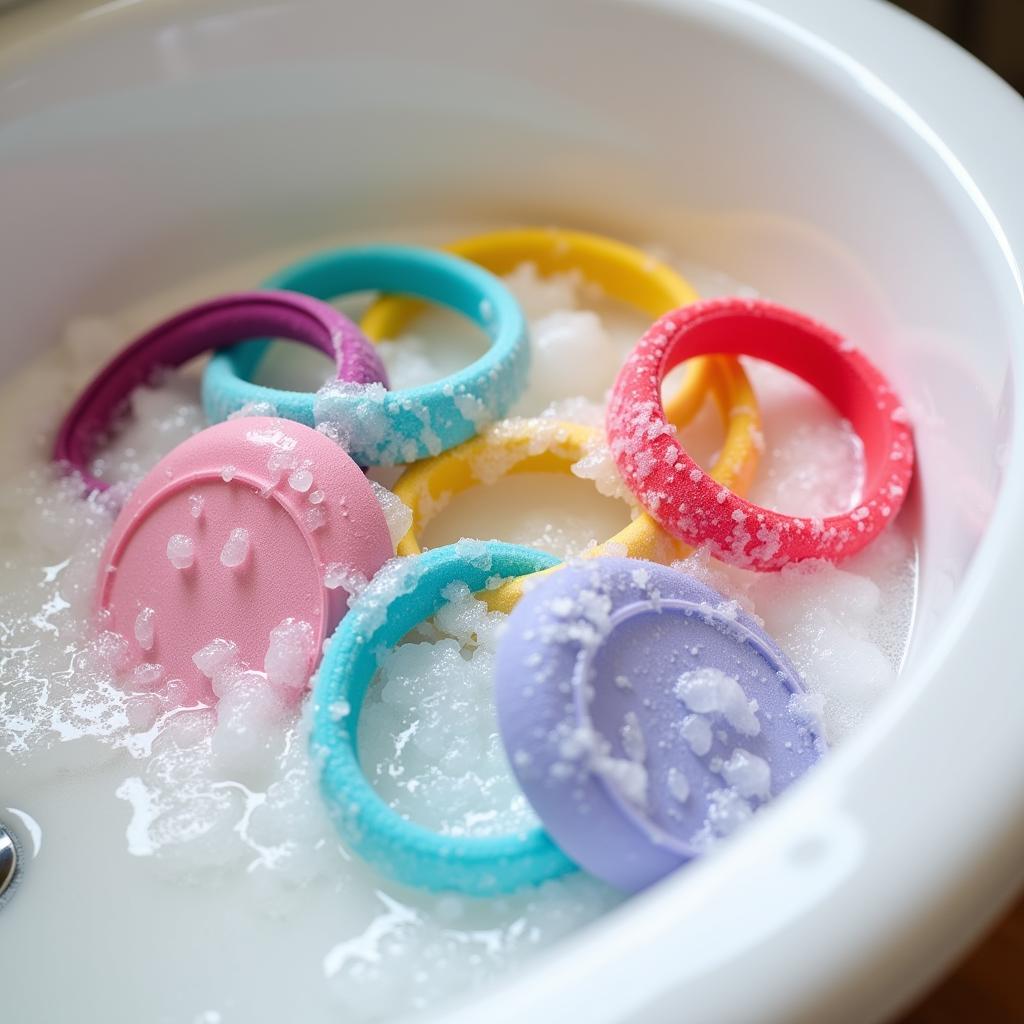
(225, 790)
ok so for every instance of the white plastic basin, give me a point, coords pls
(838, 156)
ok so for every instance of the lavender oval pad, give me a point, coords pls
(646, 716)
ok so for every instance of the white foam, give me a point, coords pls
(314, 518)
(289, 654)
(428, 737)
(569, 346)
(181, 551)
(706, 690)
(337, 574)
(678, 785)
(250, 715)
(146, 676)
(696, 730)
(748, 774)
(145, 628)
(542, 296)
(396, 512)
(301, 479)
(236, 548)
(633, 742)
(218, 654)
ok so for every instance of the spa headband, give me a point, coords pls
(378, 427)
(690, 503)
(401, 596)
(199, 329)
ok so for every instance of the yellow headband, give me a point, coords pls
(543, 445)
(524, 446)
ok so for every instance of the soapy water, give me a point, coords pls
(207, 793)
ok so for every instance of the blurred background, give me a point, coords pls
(989, 986)
(993, 30)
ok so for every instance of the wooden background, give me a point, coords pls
(993, 30)
(988, 987)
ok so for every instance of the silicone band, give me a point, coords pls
(401, 596)
(402, 426)
(209, 325)
(623, 273)
(541, 445)
(690, 503)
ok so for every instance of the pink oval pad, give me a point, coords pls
(239, 475)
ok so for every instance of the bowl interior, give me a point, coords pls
(148, 143)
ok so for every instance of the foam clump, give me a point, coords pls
(577, 409)
(678, 785)
(748, 774)
(706, 690)
(396, 512)
(438, 343)
(252, 706)
(216, 655)
(314, 517)
(627, 776)
(145, 628)
(181, 551)
(833, 624)
(159, 417)
(250, 713)
(301, 479)
(236, 548)
(728, 811)
(633, 742)
(696, 730)
(146, 676)
(428, 736)
(466, 619)
(812, 463)
(598, 465)
(350, 579)
(543, 296)
(409, 361)
(510, 441)
(579, 339)
(475, 552)
(289, 656)
(569, 346)
(142, 711)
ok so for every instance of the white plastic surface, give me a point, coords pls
(838, 156)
